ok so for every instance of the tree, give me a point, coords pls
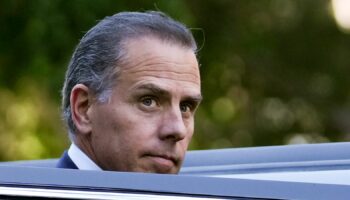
(273, 72)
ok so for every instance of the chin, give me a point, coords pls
(160, 170)
(165, 172)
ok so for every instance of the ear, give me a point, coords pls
(80, 101)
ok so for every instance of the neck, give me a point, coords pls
(84, 144)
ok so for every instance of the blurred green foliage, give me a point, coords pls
(273, 72)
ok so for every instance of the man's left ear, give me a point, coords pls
(80, 101)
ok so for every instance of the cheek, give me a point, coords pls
(132, 130)
(190, 129)
(106, 127)
(189, 135)
(185, 142)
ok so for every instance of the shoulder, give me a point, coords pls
(66, 162)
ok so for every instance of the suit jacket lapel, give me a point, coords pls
(66, 162)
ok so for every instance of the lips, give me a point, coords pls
(162, 163)
(165, 157)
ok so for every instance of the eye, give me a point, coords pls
(148, 101)
(185, 107)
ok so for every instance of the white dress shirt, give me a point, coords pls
(80, 159)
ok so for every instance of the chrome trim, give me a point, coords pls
(74, 194)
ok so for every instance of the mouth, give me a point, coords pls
(162, 163)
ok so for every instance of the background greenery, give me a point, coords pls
(273, 72)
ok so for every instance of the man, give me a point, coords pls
(130, 94)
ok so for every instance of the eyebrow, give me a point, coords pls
(164, 93)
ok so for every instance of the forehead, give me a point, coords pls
(149, 58)
(147, 48)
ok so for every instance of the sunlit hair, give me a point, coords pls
(101, 52)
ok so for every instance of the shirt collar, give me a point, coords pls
(80, 159)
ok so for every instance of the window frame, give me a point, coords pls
(195, 179)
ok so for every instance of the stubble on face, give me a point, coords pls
(148, 122)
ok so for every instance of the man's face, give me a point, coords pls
(149, 121)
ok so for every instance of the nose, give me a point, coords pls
(173, 127)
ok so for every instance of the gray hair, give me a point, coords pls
(100, 53)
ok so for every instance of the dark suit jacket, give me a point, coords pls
(66, 162)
